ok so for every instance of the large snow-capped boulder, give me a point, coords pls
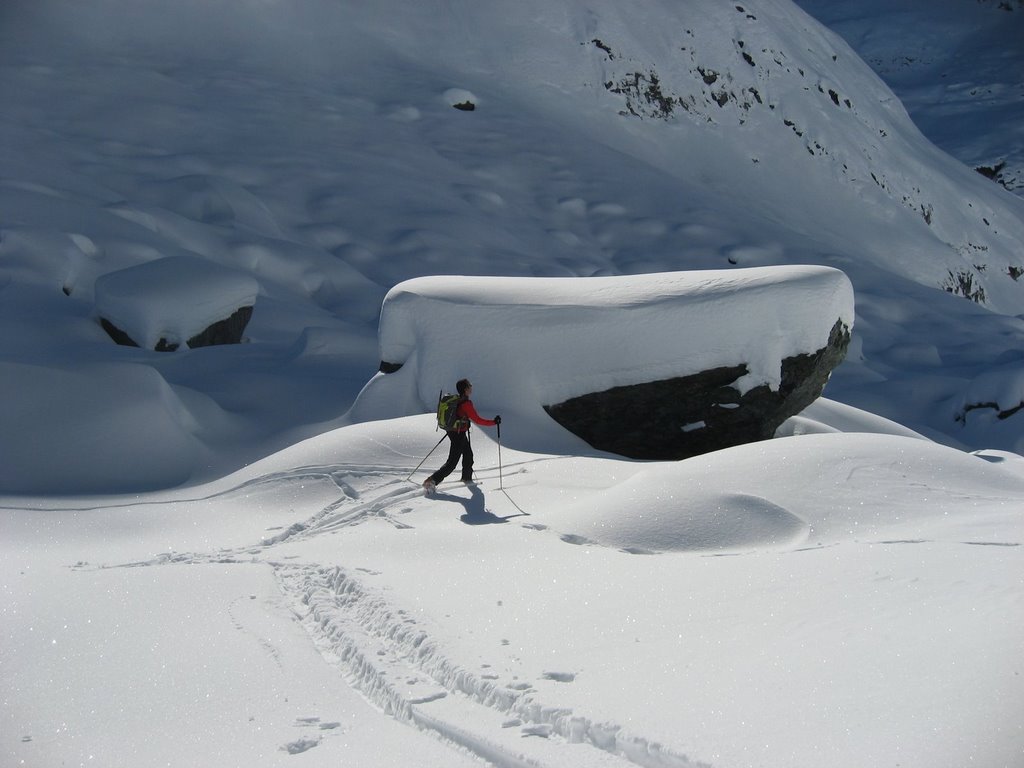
(177, 300)
(654, 366)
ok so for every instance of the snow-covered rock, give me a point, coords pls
(177, 300)
(686, 416)
(667, 364)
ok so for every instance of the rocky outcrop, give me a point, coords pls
(168, 302)
(689, 415)
(227, 331)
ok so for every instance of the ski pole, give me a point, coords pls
(426, 457)
(501, 486)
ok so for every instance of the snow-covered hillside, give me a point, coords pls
(316, 148)
(960, 74)
(208, 557)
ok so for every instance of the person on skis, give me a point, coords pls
(459, 437)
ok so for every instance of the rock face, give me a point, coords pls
(686, 416)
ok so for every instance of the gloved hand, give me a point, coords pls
(497, 419)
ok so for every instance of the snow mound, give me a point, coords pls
(653, 512)
(138, 434)
(812, 490)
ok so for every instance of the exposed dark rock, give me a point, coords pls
(689, 415)
(1001, 413)
(962, 283)
(709, 76)
(1001, 174)
(117, 334)
(991, 171)
(386, 367)
(465, 106)
(644, 95)
(226, 331)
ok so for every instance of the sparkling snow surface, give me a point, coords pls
(207, 558)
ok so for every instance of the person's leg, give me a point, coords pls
(454, 453)
(467, 460)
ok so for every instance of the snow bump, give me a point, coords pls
(654, 512)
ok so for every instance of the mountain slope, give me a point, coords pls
(316, 147)
(959, 72)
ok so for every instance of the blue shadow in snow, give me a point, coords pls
(476, 510)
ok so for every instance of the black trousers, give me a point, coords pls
(459, 449)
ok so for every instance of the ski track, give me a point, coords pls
(338, 515)
(384, 654)
(399, 668)
(386, 495)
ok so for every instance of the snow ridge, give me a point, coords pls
(388, 657)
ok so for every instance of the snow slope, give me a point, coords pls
(315, 148)
(204, 563)
(960, 75)
(832, 599)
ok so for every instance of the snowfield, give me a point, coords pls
(222, 556)
(832, 598)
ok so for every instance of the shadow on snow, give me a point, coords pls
(476, 508)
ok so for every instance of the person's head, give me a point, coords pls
(463, 387)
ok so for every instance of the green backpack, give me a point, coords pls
(448, 411)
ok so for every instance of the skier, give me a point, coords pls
(459, 436)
